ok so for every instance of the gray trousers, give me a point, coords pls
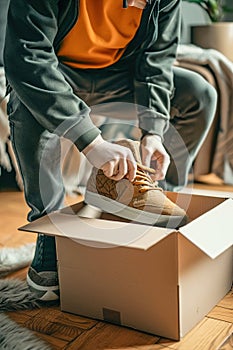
(111, 98)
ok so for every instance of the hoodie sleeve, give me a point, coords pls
(154, 72)
(32, 70)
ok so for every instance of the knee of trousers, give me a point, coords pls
(204, 103)
(208, 102)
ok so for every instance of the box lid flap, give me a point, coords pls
(98, 231)
(212, 232)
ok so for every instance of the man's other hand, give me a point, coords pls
(155, 156)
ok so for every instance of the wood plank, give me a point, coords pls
(107, 336)
(221, 313)
(55, 343)
(146, 347)
(209, 334)
(20, 274)
(13, 213)
(83, 323)
(227, 344)
(28, 313)
(53, 322)
(209, 187)
(227, 301)
(20, 317)
(140, 347)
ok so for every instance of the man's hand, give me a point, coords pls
(155, 156)
(116, 161)
(141, 4)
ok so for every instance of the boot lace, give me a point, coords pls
(143, 179)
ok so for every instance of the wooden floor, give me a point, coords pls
(65, 331)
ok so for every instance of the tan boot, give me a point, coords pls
(140, 201)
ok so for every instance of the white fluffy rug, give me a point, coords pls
(15, 295)
(14, 337)
(12, 259)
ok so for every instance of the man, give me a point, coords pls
(61, 58)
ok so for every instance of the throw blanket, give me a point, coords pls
(7, 157)
(222, 69)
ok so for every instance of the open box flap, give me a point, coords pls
(98, 230)
(212, 232)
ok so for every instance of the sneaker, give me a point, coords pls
(141, 201)
(44, 285)
(42, 276)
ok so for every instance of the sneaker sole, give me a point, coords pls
(111, 206)
(43, 293)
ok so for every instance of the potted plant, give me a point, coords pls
(217, 34)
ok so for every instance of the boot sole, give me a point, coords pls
(111, 206)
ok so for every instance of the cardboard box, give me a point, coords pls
(158, 280)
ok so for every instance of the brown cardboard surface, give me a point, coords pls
(202, 282)
(136, 274)
(203, 231)
(107, 232)
(195, 205)
(212, 231)
(140, 285)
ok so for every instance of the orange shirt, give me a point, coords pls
(100, 35)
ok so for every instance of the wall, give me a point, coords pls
(194, 14)
(191, 14)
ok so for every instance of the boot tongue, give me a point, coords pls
(134, 146)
